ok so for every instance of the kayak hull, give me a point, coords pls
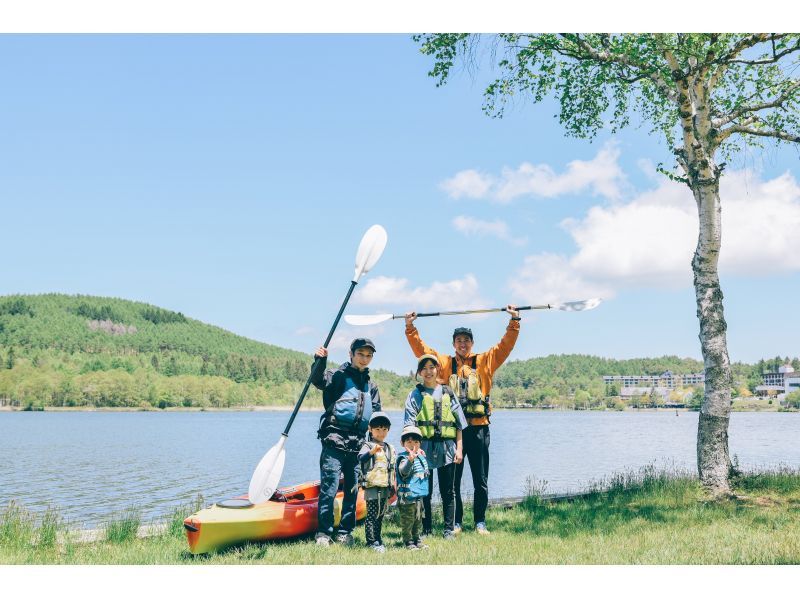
(290, 513)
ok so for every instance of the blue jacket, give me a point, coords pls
(334, 384)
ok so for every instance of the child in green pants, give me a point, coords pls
(412, 486)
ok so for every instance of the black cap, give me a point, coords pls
(360, 343)
(462, 330)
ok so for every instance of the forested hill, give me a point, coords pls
(60, 350)
(63, 350)
(556, 380)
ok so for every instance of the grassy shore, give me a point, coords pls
(643, 518)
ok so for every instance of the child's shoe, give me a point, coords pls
(481, 529)
(421, 545)
(377, 547)
(346, 539)
(410, 545)
(322, 539)
(457, 528)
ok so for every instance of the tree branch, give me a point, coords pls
(609, 57)
(725, 60)
(775, 56)
(776, 103)
(745, 130)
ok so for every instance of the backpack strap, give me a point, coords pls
(475, 364)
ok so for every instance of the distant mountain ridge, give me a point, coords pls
(81, 351)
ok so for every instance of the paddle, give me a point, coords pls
(268, 472)
(584, 305)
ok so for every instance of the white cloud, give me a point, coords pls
(601, 176)
(650, 241)
(551, 278)
(344, 336)
(452, 295)
(304, 330)
(498, 228)
(760, 224)
(467, 183)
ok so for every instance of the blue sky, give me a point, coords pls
(231, 178)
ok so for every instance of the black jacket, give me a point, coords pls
(332, 384)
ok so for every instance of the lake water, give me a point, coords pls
(94, 464)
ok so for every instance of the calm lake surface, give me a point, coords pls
(95, 464)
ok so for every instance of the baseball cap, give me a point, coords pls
(359, 343)
(462, 330)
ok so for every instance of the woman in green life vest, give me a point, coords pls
(436, 411)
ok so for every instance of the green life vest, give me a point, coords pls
(435, 419)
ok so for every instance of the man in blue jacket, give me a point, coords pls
(349, 398)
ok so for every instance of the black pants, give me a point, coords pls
(376, 509)
(448, 492)
(476, 449)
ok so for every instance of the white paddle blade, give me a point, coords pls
(367, 320)
(370, 250)
(584, 305)
(267, 475)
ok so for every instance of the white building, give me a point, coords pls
(783, 382)
(666, 380)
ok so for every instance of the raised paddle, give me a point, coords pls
(268, 473)
(584, 305)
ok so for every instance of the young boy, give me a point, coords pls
(377, 458)
(350, 398)
(412, 486)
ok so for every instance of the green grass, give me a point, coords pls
(123, 527)
(645, 517)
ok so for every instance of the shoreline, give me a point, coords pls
(287, 408)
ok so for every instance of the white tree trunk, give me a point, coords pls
(713, 458)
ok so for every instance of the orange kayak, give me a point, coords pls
(291, 512)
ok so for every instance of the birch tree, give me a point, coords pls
(705, 95)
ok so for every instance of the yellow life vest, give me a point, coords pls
(378, 471)
(468, 390)
(435, 419)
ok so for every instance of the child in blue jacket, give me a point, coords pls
(412, 486)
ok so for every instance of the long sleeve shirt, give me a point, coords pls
(486, 362)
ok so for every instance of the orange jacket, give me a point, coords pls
(486, 363)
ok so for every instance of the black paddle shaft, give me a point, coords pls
(318, 362)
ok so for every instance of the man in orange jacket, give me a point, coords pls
(470, 375)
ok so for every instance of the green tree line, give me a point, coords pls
(82, 351)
